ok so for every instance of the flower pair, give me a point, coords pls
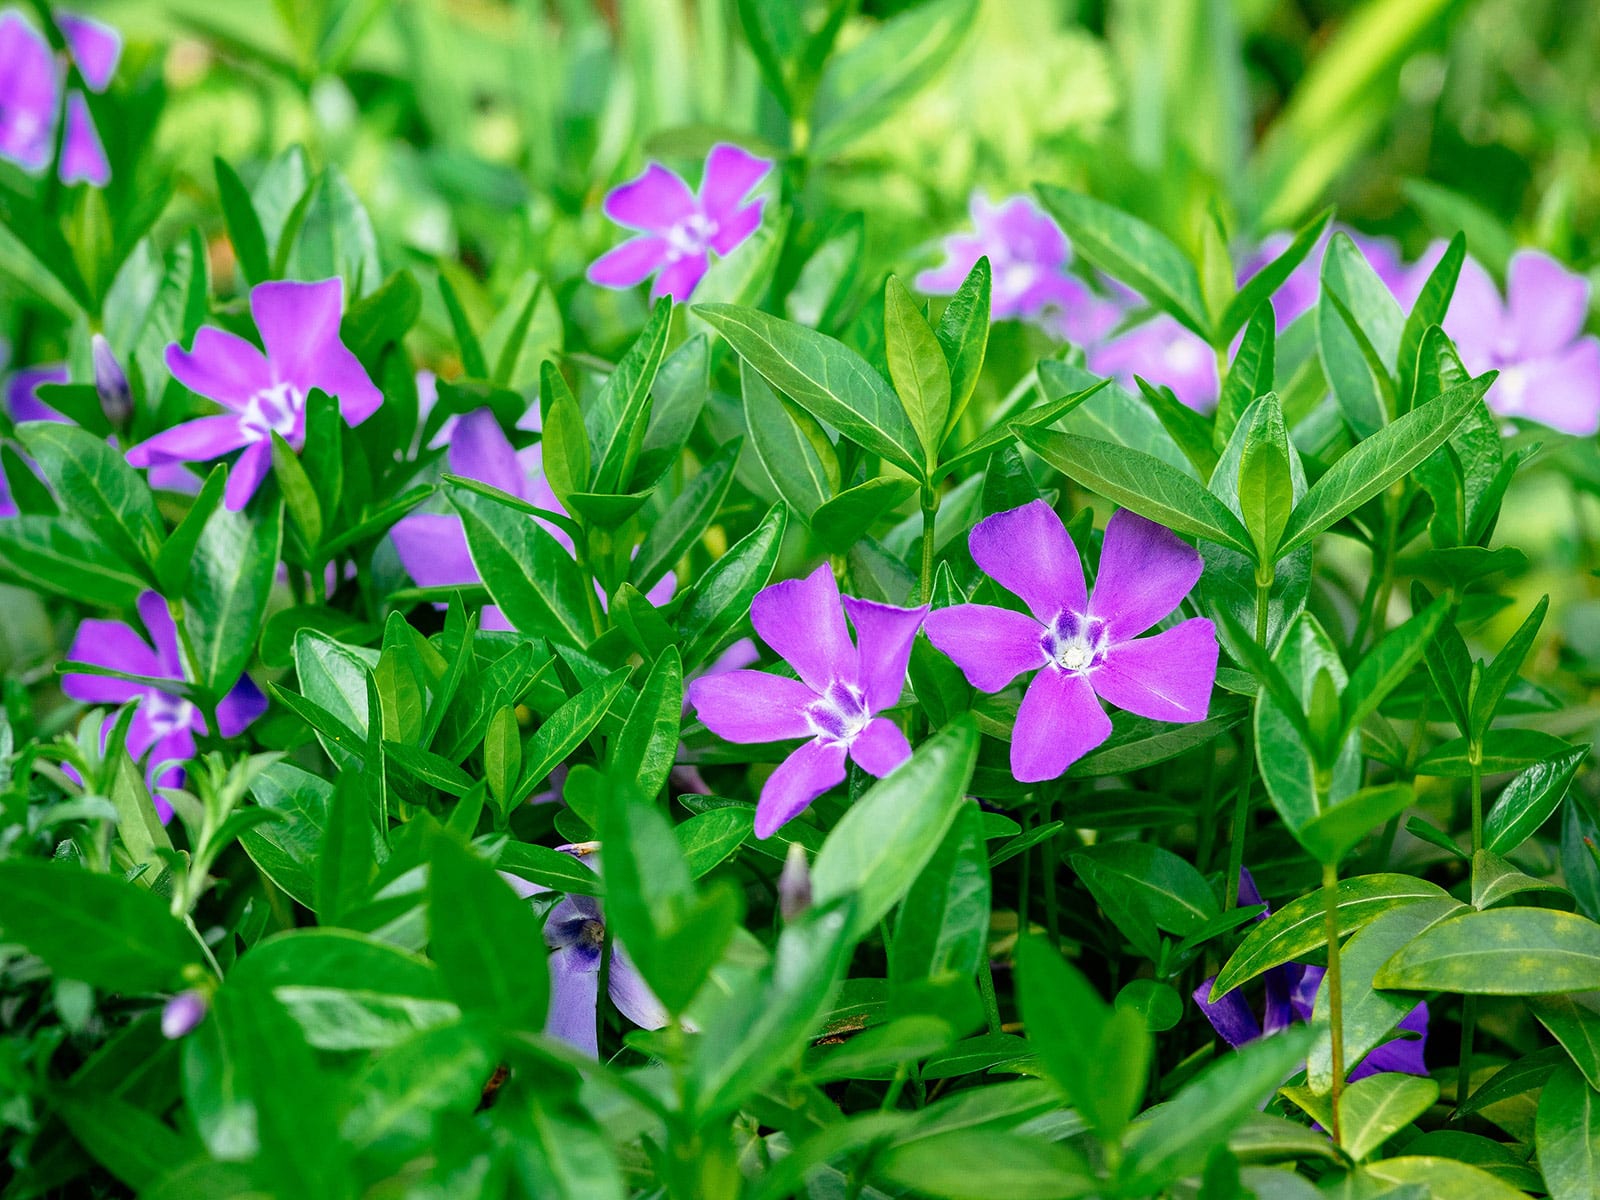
(31, 79)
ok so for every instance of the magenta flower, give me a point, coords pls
(835, 702)
(30, 92)
(679, 229)
(299, 325)
(165, 723)
(1549, 370)
(1161, 351)
(1084, 649)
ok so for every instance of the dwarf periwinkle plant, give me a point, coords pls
(944, 600)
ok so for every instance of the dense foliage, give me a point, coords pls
(950, 598)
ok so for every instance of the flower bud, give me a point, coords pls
(183, 1012)
(794, 884)
(111, 382)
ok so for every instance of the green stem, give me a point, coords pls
(1241, 803)
(1469, 1004)
(930, 510)
(1475, 762)
(1330, 921)
(584, 565)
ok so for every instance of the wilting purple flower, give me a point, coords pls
(1161, 351)
(1549, 370)
(1300, 291)
(835, 702)
(679, 229)
(263, 393)
(165, 723)
(575, 931)
(30, 95)
(1082, 647)
(1291, 993)
(183, 1013)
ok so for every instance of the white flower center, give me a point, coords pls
(276, 408)
(840, 714)
(1015, 278)
(692, 235)
(1074, 642)
(1510, 391)
(167, 714)
(1183, 354)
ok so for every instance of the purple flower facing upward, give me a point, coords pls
(1291, 993)
(1161, 351)
(165, 723)
(263, 393)
(679, 230)
(1083, 648)
(835, 702)
(31, 79)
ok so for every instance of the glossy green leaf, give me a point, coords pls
(1501, 952)
(230, 582)
(1374, 1109)
(687, 518)
(720, 598)
(94, 483)
(917, 367)
(943, 926)
(1568, 1136)
(1529, 800)
(530, 575)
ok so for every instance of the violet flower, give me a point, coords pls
(835, 701)
(165, 723)
(1161, 351)
(575, 931)
(1300, 292)
(30, 95)
(1083, 648)
(263, 393)
(1291, 993)
(679, 229)
(23, 403)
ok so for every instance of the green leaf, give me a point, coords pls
(94, 483)
(1502, 672)
(177, 555)
(96, 928)
(132, 1143)
(566, 729)
(335, 237)
(720, 598)
(825, 377)
(1501, 952)
(1388, 664)
(1258, 289)
(942, 929)
(502, 757)
(791, 455)
(1143, 888)
(963, 333)
(686, 519)
(530, 575)
(1333, 833)
(564, 442)
(620, 415)
(1506, 750)
(402, 1097)
(551, 868)
(348, 862)
(1266, 485)
(1573, 1019)
(244, 226)
(974, 1164)
(1358, 331)
(1139, 482)
(917, 368)
(1444, 1179)
(286, 849)
(59, 557)
(334, 677)
(1433, 302)
(1190, 431)
(647, 746)
(1250, 375)
(707, 839)
(1567, 1135)
(1529, 800)
(1127, 249)
(1374, 1109)
(230, 582)
(1058, 403)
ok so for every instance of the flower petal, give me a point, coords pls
(1561, 390)
(240, 707)
(880, 747)
(574, 997)
(802, 620)
(1167, 677)
(246, 476)
(83, 156)
(22, 392)
(479, 449)
(1145, 572)
(730, 174)
(991, 645)
(801, 778)
(631, 263)
(1401, 1054)
(157, 618)
(433, 550)
(1059, 722)
(1546, 304)
(109, 644)
(1476, 321)
(95, 48)
(655, 200)
(679, 279)
(298, 321)
(1028, 552)
(630, 993)
(199, 440)
(740, 224)
(222, 366)
(1229, 1014)
(884, 635)
(168, 757)
(962, 252)
(752, 706)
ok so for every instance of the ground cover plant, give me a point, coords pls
(944, 598)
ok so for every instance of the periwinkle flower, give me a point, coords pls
(165, 723)
(110, 382)
(263, 393)
(1084, 648)
(679, 230)
(23, 403)
(1290, 995)
(182, 1014)
(794, 884)
(1161, 351)
(835, 702)
(31, 79)
(1300, 292)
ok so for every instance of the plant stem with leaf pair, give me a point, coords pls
(930, 510)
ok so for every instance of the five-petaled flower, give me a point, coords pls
(1082, 647)
(834, 704)
(679, 229)
(31, 79)
(263, 393)
(165, 723)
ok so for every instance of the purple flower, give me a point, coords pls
(1291, 993)
(165, 724)
(575, 931)
(1161, 351)
(183, 1013)
(835, 702)
(23, 403)
(1549, 371)
(30, 93)
(679, 230)
(1081, 647)
(1300, 292)
(299, 325)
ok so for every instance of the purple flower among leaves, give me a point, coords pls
(1291, 993)
(23, 403)
(679, 230)
(165, 723)
(31, 79)
(835, 702)
(263, 393)
(1161, 351)
(1083, 648)
(1300, 292)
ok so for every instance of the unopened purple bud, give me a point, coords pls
(794, 884)
(111, 382)
(183, 1012)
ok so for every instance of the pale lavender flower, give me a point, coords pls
(834, 703)
(165, 723)
(263, 393)
(679, 230)
(182, 1014)
(1161, 351)
(794, 884)
(1085, 649)
(1298, 293)
(31, 79)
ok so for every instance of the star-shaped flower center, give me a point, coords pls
(1075, 642)
(167, 713)
(692, 235)
(839, 714)
(276, 408)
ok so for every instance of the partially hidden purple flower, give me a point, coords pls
(165, 724)
(1161, 351)
(182, 1014)
(575, 931)
(23, 403)
(1084, 648)
(1290, 994)
(1300, 292)
(31, 79)
(680, 229)
(835, 702)
(263, 393)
